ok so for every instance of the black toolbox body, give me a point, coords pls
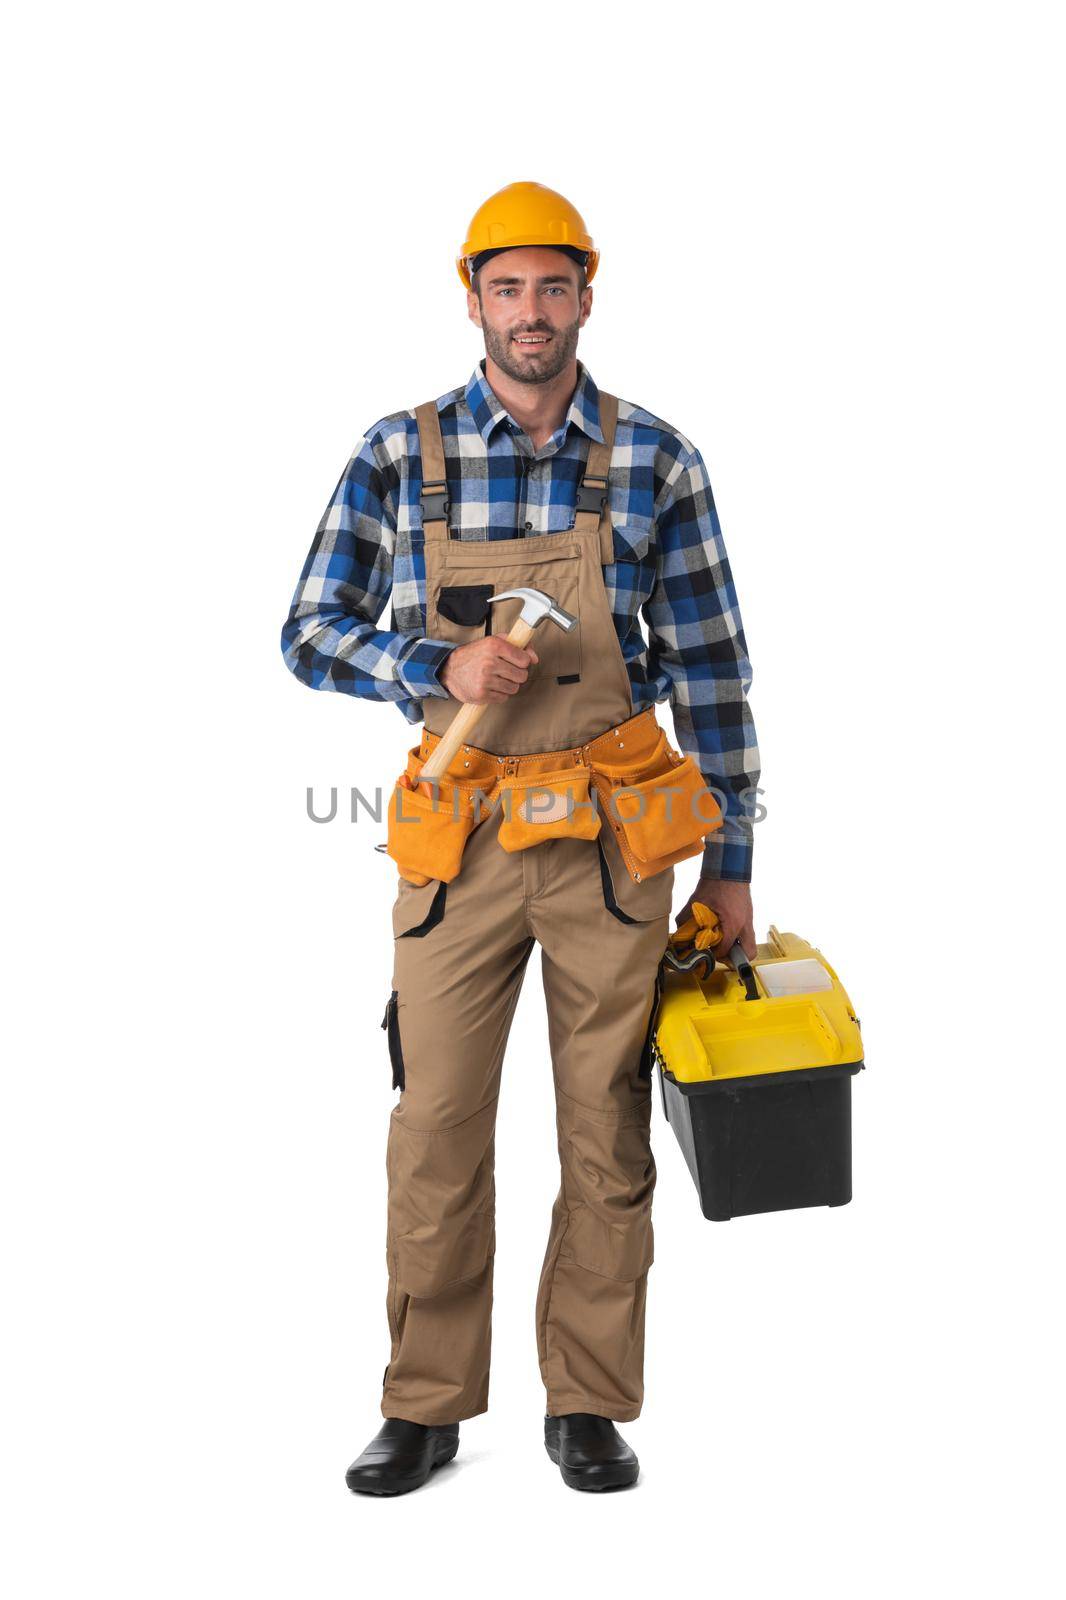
(755, 1064)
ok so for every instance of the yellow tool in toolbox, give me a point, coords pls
(755, 1065)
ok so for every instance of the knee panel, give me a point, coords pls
(608, 1179)
(441, 1205)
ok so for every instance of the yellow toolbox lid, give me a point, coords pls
(708, 1030)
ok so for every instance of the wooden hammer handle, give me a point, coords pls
(438, 762)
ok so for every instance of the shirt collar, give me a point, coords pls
(488, 410)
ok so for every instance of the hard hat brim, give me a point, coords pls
(592, 263)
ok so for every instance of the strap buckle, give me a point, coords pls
(436, 503)
(592, 494)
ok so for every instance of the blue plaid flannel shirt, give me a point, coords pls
(671, 567)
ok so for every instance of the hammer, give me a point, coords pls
(536, 607)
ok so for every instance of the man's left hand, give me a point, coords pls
(731, 903)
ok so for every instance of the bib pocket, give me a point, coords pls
(466, 605)
(457, 587)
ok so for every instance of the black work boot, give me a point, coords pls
(589, 1451)
(401, 1456)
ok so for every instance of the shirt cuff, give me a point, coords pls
(420, 669)
(728, 858)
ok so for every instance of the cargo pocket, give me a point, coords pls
(417, 910)
(551, 805)
(391, 1023)
(427, 833)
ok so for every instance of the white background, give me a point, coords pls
(832, 258)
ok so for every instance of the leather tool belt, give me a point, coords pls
(629, 778)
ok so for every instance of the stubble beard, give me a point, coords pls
(539, 368)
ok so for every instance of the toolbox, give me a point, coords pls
(755, 1065)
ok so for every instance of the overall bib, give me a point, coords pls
(461, 947)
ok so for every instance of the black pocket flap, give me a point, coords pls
(466, 603)
(391, 1022)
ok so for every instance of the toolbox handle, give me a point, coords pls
(742, 966)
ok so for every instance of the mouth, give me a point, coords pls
(532, 341)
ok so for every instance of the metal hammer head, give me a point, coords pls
(536, 606)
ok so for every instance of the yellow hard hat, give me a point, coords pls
(526, 213)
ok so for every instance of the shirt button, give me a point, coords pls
(528, 526)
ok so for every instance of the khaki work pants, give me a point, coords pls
(460, 954)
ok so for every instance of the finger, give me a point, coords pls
(505, 672)
(509, 673)
(506, 651)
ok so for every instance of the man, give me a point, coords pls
(529, 478)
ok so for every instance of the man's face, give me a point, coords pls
(530, 311)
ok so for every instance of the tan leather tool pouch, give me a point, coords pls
(547, 805)
(663, 804)
(427, 833)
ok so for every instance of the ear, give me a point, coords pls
(473, 308)
(586, 307)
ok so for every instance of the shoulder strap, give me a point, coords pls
(592, 495)
(435, 502)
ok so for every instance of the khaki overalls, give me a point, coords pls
(461, 947)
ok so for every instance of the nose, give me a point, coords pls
(528, 310)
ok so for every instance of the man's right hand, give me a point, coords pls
(489, 669)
